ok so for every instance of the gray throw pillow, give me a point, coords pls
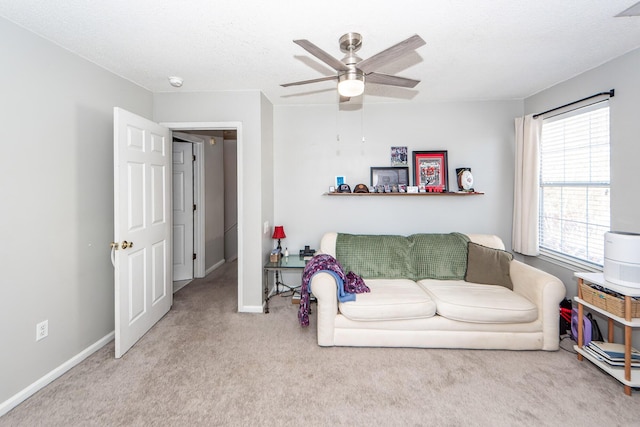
(488, 266)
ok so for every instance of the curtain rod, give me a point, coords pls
(611, 94)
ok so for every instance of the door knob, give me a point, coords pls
(126, 244)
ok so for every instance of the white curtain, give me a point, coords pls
(526, 185)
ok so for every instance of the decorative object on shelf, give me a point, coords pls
(361, 188)
(399, 156)
(412, 189)
(430, 169)
(344, 188)
(278, 233)
(389, 176)
(435, 191)
(286, 252)
(465, 179)
(340, 179)
(332, 189)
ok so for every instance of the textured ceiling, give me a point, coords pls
(492, 49)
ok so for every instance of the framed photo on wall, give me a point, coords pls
(399, 156)
(430, 169)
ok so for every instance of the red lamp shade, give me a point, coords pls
(278, 232)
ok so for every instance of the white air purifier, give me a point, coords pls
(622, 258)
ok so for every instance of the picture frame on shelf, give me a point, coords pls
(389, 177)
(430, 170)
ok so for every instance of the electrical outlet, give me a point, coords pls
(42, 330)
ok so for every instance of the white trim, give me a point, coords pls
(214, 267)
(253, 309)
(567, 262)
(39, 384)
(238, 127)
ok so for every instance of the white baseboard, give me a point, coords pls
(214, 266)
(251, 309)
(23, 395)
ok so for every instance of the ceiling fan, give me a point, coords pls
(352, 71)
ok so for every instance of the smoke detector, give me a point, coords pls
(175, 81)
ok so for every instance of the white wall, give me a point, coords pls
(254, 145)
(214, 199)
(308, 156)
(56, 187)
(230, 200)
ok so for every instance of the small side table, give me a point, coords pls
(628, 377)
(290, 263)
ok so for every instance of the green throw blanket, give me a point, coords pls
(415, 257)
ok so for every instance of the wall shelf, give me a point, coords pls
(451, 193)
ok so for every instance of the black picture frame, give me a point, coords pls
(389, 175)
(431, 170)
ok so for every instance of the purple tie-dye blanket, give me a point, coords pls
(348, 284)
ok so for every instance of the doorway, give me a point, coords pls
(215, 196)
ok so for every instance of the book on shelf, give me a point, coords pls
(614, 350)
(602, 356)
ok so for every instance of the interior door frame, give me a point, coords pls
(198, 189)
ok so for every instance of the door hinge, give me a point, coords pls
(194, 207)
(195, 256)
(194, 157)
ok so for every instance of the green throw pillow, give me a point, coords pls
(488, 266)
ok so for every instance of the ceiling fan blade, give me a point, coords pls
(391, 54)
(304, 82)
(334, 63)
(386, 79)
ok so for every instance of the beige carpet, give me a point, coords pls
(206, 364)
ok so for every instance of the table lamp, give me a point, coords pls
(278, 233)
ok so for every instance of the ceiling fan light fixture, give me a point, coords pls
(351, 84)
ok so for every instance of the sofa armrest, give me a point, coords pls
(325, 289)
(545, 291)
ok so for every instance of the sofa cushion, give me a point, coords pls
(488, 266)
(415, 257)
(438, 256)
(395, 299)
(374, 257)
(472, 302)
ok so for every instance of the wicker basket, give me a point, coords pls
(608, 302)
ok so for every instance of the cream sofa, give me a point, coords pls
(435, 313)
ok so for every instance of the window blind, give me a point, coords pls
(574, 184)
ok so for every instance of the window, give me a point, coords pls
(574, 184)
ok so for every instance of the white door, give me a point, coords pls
(182, 211)
(142, 224)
